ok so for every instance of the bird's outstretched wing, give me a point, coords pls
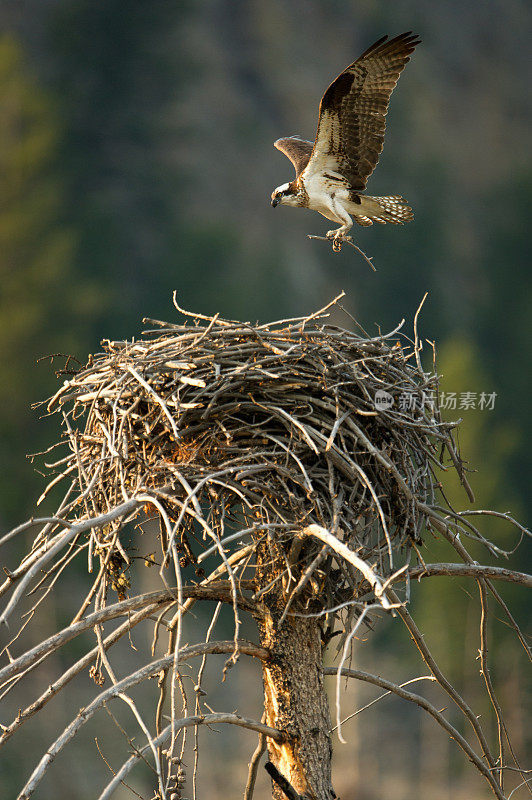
(352, 113)
(297, 150)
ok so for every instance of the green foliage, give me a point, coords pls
(487, 444)
(39, 301)
(115, 73)
(441, 605)
(506, 333)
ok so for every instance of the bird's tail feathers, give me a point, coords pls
(393, 208)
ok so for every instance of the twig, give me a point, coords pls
(132, 680)
(206, 719)
(254, 765)
(75, 669)
(382, 696)
(341, 663)
(442, 680)
(62, 540)
(484, 671)
(281, 781)
(321, 311)
(471, 571)
(417, 345)
(303, 581)
(342, 550)
(153, 599)
(433, 711)
(337, 243)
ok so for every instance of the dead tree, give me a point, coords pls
(281, 458)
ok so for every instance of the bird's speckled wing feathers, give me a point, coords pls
(352, 112)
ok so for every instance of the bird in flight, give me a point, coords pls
(332, 171)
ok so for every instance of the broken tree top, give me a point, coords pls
(267, 429)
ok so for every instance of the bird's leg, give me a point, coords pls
(339, 235)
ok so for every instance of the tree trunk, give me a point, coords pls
(295, 702)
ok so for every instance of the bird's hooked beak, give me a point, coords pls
(274, 202)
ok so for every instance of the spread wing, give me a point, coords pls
(352, 113)
(297, 150)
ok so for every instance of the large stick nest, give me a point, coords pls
(268, 428)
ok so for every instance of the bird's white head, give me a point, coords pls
(285, 195)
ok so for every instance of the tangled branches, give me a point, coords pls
(278, 422)
(300, 458)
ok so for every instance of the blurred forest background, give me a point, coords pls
(136, 158)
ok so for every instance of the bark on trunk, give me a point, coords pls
(295, 702)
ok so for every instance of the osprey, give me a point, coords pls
(332, 172)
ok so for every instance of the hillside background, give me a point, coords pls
(136, 158)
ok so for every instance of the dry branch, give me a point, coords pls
(471, 571)
(266, 453)
(136, 677)
(433, 711)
